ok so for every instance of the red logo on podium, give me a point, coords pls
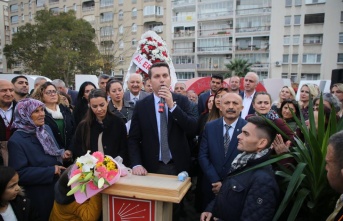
(128, 209)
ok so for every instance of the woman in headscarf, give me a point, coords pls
(35, 155)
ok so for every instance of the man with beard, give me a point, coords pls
(234, 84)
(215, 84)
(21, 87)
(135, 93)
(218, 146)
(6, 111)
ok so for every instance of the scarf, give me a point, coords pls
(55, 114)
(242, 159)
(23, 122)
(271, 115)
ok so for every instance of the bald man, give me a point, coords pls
(250, 83)
(7, 105)
(215, 159)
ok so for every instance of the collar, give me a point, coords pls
(233, 125)
(156, 99)
(251, 96)
(132, 95)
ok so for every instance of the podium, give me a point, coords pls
(143, 198)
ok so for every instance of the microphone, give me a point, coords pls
(161, 105)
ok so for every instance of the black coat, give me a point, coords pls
(114, 138)
(144, 145)
(125, 113)
(68, 127)
(23, 210)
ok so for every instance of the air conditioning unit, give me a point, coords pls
(278, 63)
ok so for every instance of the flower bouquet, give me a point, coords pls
(92, 173)
(150, 49)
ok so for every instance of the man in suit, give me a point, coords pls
(7, 105)
(250, 83)
(214, 157)
(215, 84)
(135, 93)
(61, 86)
(180, 88)
(234, 84)
(146, 143)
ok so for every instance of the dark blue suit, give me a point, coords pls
(73, 95)
(143, 143)
(251, 108)
(212, 160)
(202, 101)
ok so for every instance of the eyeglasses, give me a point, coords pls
(50, 92)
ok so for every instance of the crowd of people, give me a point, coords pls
(216, 137)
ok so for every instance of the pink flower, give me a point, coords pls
(92, 186)
(99, 156)
(77, 171)
(101, 169)
(111, 175)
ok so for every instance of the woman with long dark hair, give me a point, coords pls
(81, 106)
(100, 130)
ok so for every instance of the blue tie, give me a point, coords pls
(226, 138)
(165, 156)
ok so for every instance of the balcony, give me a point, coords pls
(214, 32)
(253, 29)
(260, 66)
(184, 34)
(53, 2)
(184, 66)
(308, 41)
(182, 3)
(88, 9)
(253, 11)
(211, 67)
(215, 15)
(252, 48)
(185, 18)
(182, 50)
(223, 49)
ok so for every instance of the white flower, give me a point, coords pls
(154, 52)
(88, 161)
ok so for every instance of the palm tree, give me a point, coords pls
(238, 67)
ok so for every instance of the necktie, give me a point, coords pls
(135, 99)
(226, 138)
(165, 157)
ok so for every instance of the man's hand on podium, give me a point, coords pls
(139, 170)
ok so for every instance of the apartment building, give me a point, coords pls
(297, 39)
(119, 24)
(306, 39)
(4, 33)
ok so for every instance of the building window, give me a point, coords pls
(134, 27)
(286, 40)
(185, 75)
(287, 20)
(106, 17)
(152, 10)
(133, 1)
(14, 8)
(30, 15)
(294, 77)
(121, 29)
(308, 2)
(134, 12)
(121, 15)
(342, 16)
(340, 40)
(121, 44)
(296, 39)
(120, 2)
(40, 3)
(22, 17)
(314, 18)
(297, 19)
(340, 57)
(285, 58)
(313, 39)
(134, 42)
(288, 3)
(295, 58)
(284, 75)
(22, 6)
(121, 58)
(106, 31)
(65, 8)
(309, 76)
(311, 58)
(105, 3)
(75, 7)
(14, 19)
(298, 2)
